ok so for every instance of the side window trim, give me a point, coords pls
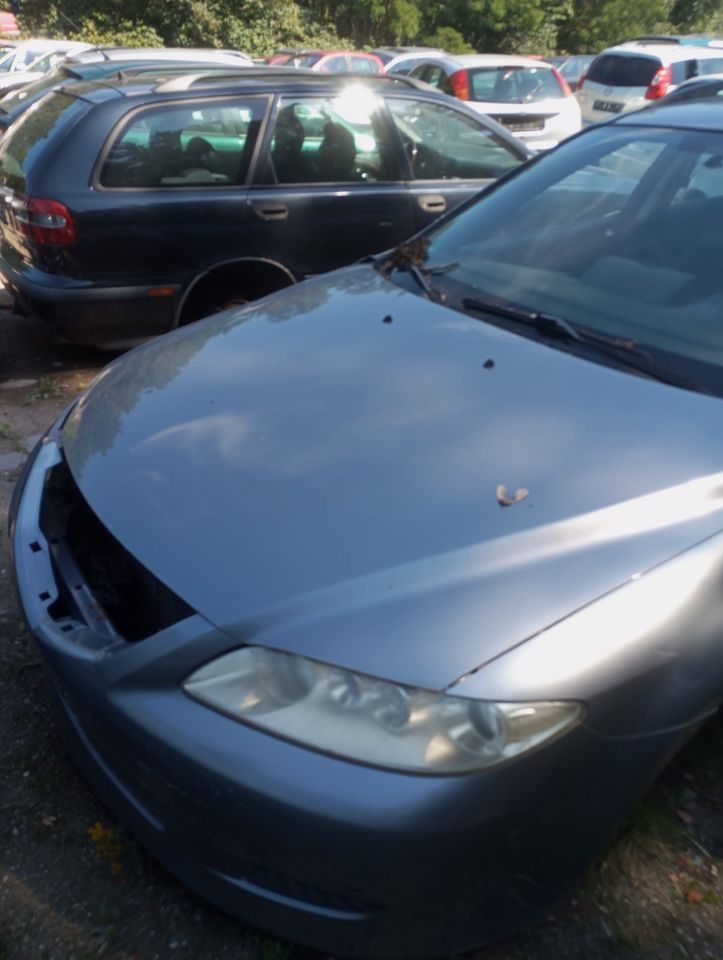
(125, 122)
(450, 109)
(381, 120)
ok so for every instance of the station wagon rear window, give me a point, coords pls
(29, 135)
(185, 145)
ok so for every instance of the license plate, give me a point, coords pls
(607, 106)
(518, 125)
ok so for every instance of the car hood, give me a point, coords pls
(323, 472)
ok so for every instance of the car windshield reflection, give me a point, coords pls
(622, 236)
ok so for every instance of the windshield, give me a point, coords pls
(44, 63)
(7, 61)
(619, 232)
(307, 60)
(514, 84)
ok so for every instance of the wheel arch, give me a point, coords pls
(253, 276)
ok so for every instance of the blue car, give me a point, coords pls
(372, 607)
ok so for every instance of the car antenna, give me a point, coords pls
(77, 28)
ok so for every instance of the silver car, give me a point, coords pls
(640, 72)
(373, 606)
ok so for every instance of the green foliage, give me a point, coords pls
(102, 32)
(596, 24)
(697, 16)
(447, 38)
(261, 26)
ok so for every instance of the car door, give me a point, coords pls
(331, 185)
(451, 155)
(173, 180)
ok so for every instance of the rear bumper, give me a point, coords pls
(113, 317)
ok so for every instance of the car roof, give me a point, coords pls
(253, 79)
(666, 52)
(491, 60)
(192, 54)
(416, 56)
(712, 79)
(691, 115)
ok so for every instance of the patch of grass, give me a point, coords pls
(651, 819)
(10, 434)
(47, 388)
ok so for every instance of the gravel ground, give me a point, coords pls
(73, 884)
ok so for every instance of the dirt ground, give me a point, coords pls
(75, 886)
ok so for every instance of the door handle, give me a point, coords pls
(432, 203)
(270, 211)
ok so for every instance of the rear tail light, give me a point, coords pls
(459, 82)
(580, 82)
(659, 85)
(562, 81)
(44, 221)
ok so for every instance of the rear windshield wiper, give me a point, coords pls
(625, 351)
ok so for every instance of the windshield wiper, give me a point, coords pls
(411, 258)
(545, 323)
(626, 352)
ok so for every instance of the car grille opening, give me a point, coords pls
(135, 601)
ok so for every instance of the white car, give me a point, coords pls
(527, 96)
(404, 62)
(637, 73)
(29, 60)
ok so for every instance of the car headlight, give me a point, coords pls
(373, 721)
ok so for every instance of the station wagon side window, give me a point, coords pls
(199, 144)
(339, 139)
(442, 143)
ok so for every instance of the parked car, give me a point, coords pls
(573, 68)
(404, 63)
(18, 76)
(101, 62)
(282, 56)
(527, 95)
(388, 54)
(699, 88)
(330, 61)
(20, 58)
(8, 25)
(128, 208)
(372, 608)
(633, 74)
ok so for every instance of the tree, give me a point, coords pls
(596, 24)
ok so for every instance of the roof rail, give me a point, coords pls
(690, 40)
(187, 80)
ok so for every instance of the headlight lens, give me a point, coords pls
(373, 721)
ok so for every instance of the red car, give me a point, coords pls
(8, 24)
(330, 61)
